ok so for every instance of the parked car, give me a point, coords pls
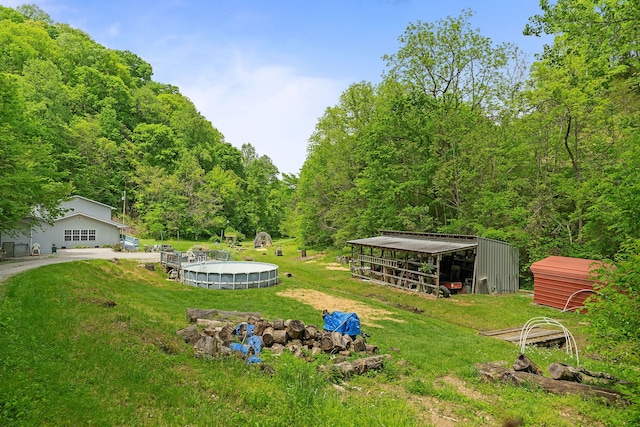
(129, 243)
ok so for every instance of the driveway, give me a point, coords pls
(11, 266)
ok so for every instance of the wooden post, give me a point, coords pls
(475, 268)
(438, 259)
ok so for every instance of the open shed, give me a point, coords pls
(563, 282)
(426, 261)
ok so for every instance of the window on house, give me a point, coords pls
(79, 235)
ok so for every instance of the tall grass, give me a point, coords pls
(94, 343)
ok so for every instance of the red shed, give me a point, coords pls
(562, 282)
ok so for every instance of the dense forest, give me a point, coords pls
(78, 118)
(460, 136)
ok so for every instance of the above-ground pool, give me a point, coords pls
(230, 274)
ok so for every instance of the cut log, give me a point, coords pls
(211, 323)
(189, 334)
(197, 313)
(371, 349)
(310, 332)
(524, 364)
(357, 367)
(337, 342)
(212, 332)
(359, 345)
(295, 329)
(261, 326)
(602, 375)
(277, 348)
(267, 337)
(227, 334)
(278, 324)
(348, 342)
(206, 346)
(280, 337)
(326, 344)
(495, 372)
(564, 372)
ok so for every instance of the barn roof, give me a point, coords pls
(424, 246)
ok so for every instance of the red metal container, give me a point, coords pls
(563, 282)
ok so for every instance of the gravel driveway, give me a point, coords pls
(11, 266)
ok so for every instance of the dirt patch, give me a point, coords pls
(320, 301)
(432, 411)
(311, 258)
(336, 266)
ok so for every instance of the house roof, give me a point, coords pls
(425, 246)
(75, 196)
(75, 214)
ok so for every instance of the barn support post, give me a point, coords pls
(475, 270)
(438, 259)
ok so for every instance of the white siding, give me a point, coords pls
(86, 217)
(88, 207)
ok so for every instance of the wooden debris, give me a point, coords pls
(295, 329)
(601, 375)
(564, 372)
(357, 367)
(278, 324)
(495, 372)
(197, 313)
(189, 334)
(211, 323)
(213, 333)
(524, 364)
(267, 337)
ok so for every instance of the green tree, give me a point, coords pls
(262, 202)
(614, 318)
(28, 176)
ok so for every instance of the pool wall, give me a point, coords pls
(230, 275)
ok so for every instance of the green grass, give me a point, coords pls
(69, 357)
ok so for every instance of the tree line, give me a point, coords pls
(463, 136)
(460, 136)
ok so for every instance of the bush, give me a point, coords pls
(614, 314)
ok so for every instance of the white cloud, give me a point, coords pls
(114, 29)
(272, 107)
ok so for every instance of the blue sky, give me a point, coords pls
(262, 71)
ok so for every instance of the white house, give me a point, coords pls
(85, 223)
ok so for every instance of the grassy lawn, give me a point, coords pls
(68, 356)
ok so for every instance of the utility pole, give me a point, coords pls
(124, 202)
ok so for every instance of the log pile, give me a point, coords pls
(212, 332)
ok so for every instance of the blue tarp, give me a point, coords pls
(345, 323)
(253, 343)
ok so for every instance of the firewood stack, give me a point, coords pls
(213, 336)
